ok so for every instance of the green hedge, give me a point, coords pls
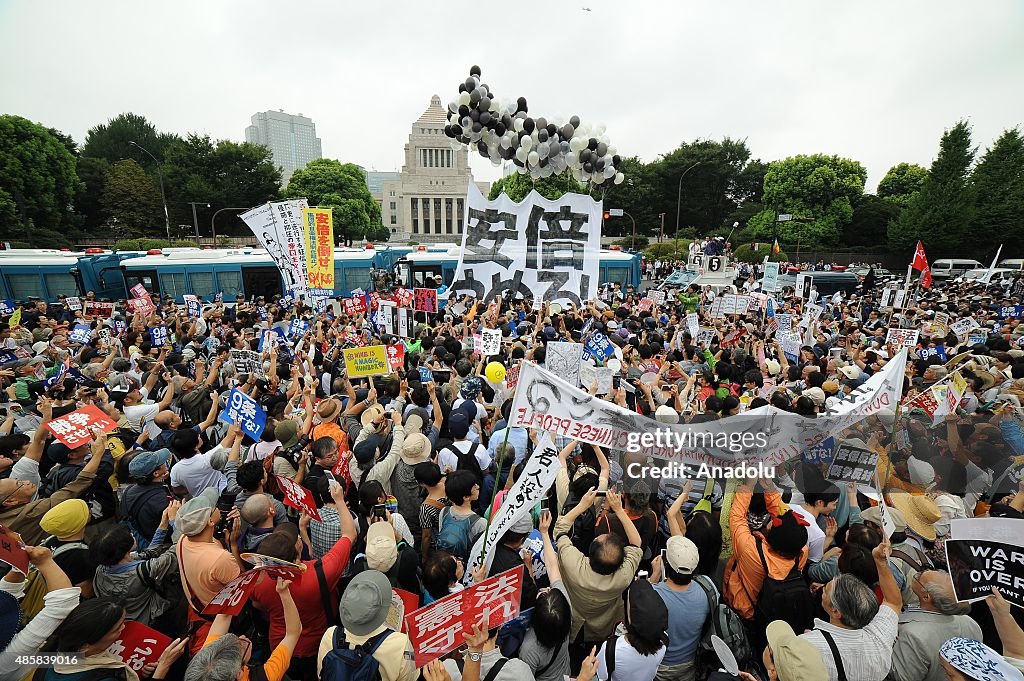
(669, 249)
(747, 254)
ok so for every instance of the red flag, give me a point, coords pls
(920, 261)
(926, 277)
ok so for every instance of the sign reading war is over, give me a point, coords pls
(543, 249)
(987, 553)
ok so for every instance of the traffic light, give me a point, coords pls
(607, 215)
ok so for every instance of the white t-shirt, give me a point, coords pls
(629, 664)
(815, 535)
(142, 414)
(448, 459)
(196, 474)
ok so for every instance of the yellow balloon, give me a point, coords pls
(495, 372)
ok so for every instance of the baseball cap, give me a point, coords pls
(458, 424)
(682, 555)
(145, 463)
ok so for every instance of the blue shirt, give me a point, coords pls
(687, 612)
(518, 439)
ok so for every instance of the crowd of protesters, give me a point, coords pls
(150, 521)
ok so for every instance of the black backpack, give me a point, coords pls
(467, 461)
(787, 599)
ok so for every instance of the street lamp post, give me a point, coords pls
(213, 228)
(163, 196)
(195, 220)
(679, 197)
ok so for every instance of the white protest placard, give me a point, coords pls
(706, 337)
(73, 302)
(899, 300)
(785, 322)
(693, 324)
(658, 297)
(743, 304)
(906, 338)
(728, 305)
(540, 472)
(563, 360)
(770, 281)
(544, 249)
(804, 282)
(962, 327)
(491, 341)
(278, 228)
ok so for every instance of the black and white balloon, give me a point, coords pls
(502, 130)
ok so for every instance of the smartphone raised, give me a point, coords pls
(380, 511)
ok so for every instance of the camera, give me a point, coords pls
(225, 502)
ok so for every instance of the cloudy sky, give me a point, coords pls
(875, 80)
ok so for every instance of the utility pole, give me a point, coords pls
(661, 234)
(195, 220)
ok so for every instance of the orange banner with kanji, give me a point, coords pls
(318, 231)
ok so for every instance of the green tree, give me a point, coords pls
(112, 141)
(940, 214)
(870, 224)
(342, 186)
(636, 197)
(37, 182)
(132, 201)
(517, 186)
(901, 182)
(818, 189)
(998, 186)
(222, 174)
(707, 179)
(88, 200)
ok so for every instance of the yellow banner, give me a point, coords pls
(318, 232)
(15, 319)
(371, 360)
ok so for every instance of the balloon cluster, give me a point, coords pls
(502, 130)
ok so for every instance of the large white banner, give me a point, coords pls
(548, 250)
(539, 474)
(764, 435)
(278, 227)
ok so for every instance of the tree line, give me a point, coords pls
(55, 193)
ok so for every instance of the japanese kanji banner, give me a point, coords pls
(95, 309)
(298, 497)
(246, 412)
(139, 645)
(540, 472)
(12, 552)
(543, 249)
(852, 464)
(318, 232)
(75, 429)
(425, 300)
(438, 628)
(278, 228)
(987, 553)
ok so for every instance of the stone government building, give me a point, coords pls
(426, 203)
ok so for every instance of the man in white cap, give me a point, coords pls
(363, 609)
(687, 604)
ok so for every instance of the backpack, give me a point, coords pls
(357, 663)
(453, 533)
(584, 527)
(787, 599)
(35, 588)
(725, 623)
(467, 461)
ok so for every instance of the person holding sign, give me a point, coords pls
(226, 656)
(91, 632)
(859, 635)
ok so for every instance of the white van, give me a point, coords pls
(948, 268)
(1012, 264)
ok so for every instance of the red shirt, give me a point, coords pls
(306, 592)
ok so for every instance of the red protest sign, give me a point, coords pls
(403, 297)
(139, 291)
(94, 309)
(143, 306)
(139, 645)
(298, 497)
(12, 552)
(231, 599)
(396, 357)
(425, 300)
(354, 306)
(437, 629)
(374, 300)
(402, 603)
(75, 429)
(512, 378)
